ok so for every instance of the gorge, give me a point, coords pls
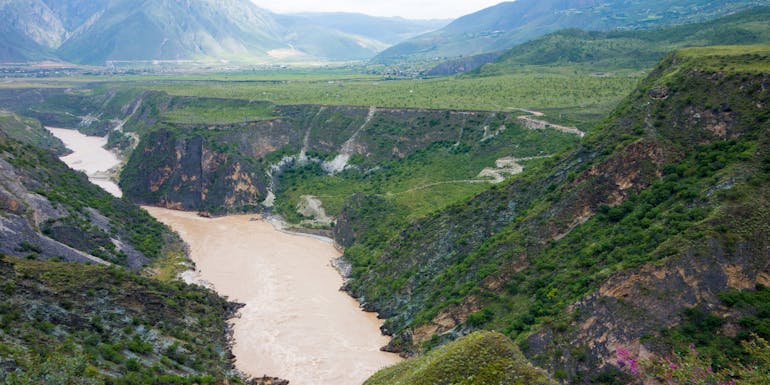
(296, 323)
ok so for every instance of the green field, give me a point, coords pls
(567, 94)
(578, 94)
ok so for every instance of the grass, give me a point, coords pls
(213, 111)
(420, 184)
(753, 59)
(496, 93)
(479, 358)
(98, 325)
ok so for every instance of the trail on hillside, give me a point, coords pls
(539, 124)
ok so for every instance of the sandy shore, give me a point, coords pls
(296, 324)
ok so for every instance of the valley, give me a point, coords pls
(505, 200)
(287, 283)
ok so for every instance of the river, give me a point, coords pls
(90, 156)
(296, 324)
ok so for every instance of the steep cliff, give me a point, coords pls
(50, 211)
(191, 173)
(73, 308)
(221, 167)
(660, 211)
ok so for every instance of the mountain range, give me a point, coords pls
(614, 50)
(511, 23)
(93, 32)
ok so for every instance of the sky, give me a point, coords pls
(411, 9)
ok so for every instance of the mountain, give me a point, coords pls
(326, 42)
(389, 30)
(173, 30)
(651, 234)
(507, 24)
(73, 309)
(608, 51)
(614, 50)
(29, 31)
(93, 32)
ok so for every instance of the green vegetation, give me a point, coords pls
(213, 111)
(480, 358)
(750, 59)
(52, 179)
(427, 181)
(653, 187)
(569, 93)
(75, 324)
(29, 131)
(637, 49)
(502, 26)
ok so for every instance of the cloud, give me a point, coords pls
(422, 9)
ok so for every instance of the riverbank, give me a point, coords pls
(296, 323)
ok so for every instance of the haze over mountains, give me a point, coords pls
(95, 32)
(511, 23)
(92, 32)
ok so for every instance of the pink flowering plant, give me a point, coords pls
(693, 368)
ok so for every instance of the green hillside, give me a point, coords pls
(637, 50)
(53, 212)
(511, 23)
(73, 309)
(65, 323)
(30, 131)
(480, 358)
(580, 256)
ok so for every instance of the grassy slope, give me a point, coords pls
(96, 325)
(578, 95)
(509, 255)
(480, 358)
(29, 131)
(426, 181)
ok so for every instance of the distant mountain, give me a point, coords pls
(608, 51)
(325, 42)
(174, 30)
(389, 30)
(93, 32)
(28, 31)
(507, 24)
(634, 49)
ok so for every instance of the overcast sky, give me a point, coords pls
(414, 9)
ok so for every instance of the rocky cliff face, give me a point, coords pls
(231, 167)
(187, 174)
(659, 212)
(50, 211)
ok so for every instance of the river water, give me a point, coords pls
(296, 324)
(90, 156)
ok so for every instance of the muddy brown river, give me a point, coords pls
(296, 324)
